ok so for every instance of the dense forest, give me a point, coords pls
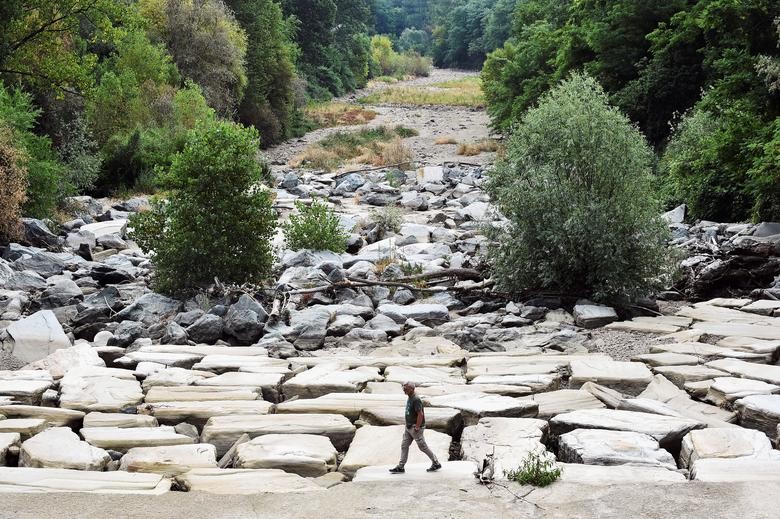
(98, 95)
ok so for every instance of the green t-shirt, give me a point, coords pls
(413, 406)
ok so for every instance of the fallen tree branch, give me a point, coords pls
(464, 274)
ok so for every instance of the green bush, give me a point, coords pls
(537, 470)
(45, 180)
(576, 188)
(217, 222)
(315, 227)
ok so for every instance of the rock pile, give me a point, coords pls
(126, 390)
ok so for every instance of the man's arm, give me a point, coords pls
(420, 419)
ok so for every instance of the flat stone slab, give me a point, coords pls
(677, 402)
(740, 368)
(593, 316)
(61, 448)
(424, 375)
(197, 413)
(170, 377)
(736, 470)
(269, 383)
(174, 360)
(222, 363)
(725, 390)
(245, 481)
(307, 455)
(122, 440)
(24, 391)
(763, 307)
(478, 405)
(7, 440)
(122, 420)
(724, 443)
(535, 383)
(441, 419)
(492, 389)
(680, 375)
(379, 361)
(329, 378)
(523, 365)
(374, 445)
(509, 440)
(602, 475)
(200, 393)
(627, 377)
(666, 359)
(169, 460)
(31, 480)
(668, 430)
(705, 351)
(450, 470)
(643, 326)
(223, 431)
(553, 403)
(108, 394)
(760, 412)
(347, 404)
(203, 350)
(719, 314)
(594, 447)
(26, 427)
(53, 416)
(756, 331)
(751, 345)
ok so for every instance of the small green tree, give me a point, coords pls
(217, 222)
(576, 187)
(315, 227)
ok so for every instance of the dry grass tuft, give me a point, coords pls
(460, 92)
(316, 157)
(469, 150)
(447, 139)
(339, 114)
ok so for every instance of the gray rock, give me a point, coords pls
(85, 205)
(46, 264)
(174, 334)
(414, 201)
(424, 313)
(349, 184)
(187, 430)
(309, 258)
(207, 329)
(379, 199)
(150, 309)
(188, 318)
(588, 315)
(37, 234)
(25, 280)
(290, 181)
(133, 205)
(766, 229)
(37, 336)
(75, 239)
(112, 241)
(126, 333)
(385, 324)
(403, 296)
(342, 324)
(676, 215)
(244, 320)
(310, 327)
(62, 293)
(599, 447)
(534, 313)
(362, 335)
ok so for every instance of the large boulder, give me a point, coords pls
(150, 309)
(310, 327)
(308, 455)
(37, 336)
(594, 447)
(244, 320)
(37, 234)
(207, 329)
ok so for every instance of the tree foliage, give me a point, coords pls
(217, 222)
(315, 227)
(576, 188)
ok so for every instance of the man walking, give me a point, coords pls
(415, 427)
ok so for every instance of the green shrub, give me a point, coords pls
(45, 173)
(388, 218)
(576, 188)
(13, 186)
(217, 222)
(315, 227)
(537, 469)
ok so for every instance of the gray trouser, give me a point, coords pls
(409, 435)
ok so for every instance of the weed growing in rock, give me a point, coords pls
(315, 227)
(537, 469)
(388, 218)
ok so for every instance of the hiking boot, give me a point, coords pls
(397, 470)
(433, 468)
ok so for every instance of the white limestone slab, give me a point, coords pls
(200, 393)
(442, 419)
(31, 480)
(606, 476)
(374, 445)
(223, 431)
(478, 405)
(424, 375)
(53, 416)
(553, 403)
(347, 404)
(109, 394)
(61, 448)
(245, 481)
(725, 390)
(740, 368)
(124, 439)
(169, 460)
(450, 470)
(307, 455)
(122, 420)
(595, 447)
(626, 377)
(716, 470)
(724, 444)
(198, 412)
(329, 378)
